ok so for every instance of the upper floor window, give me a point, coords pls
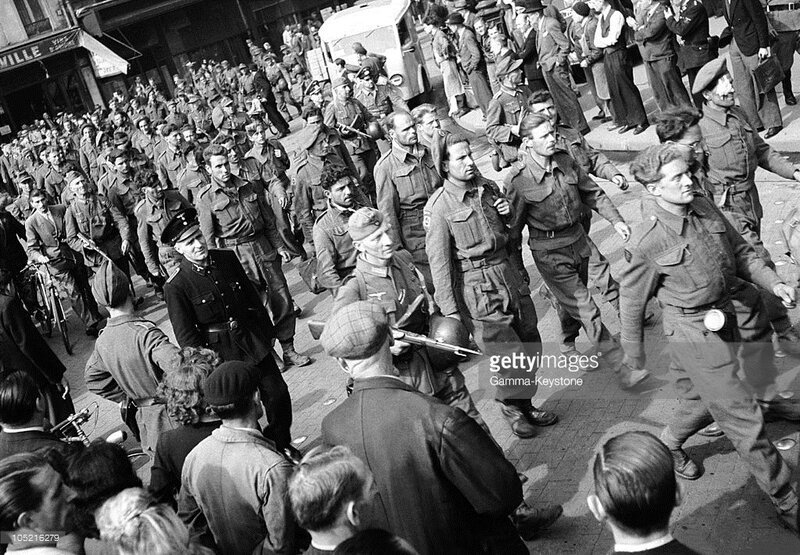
(33, 17)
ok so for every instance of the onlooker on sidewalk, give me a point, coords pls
(471, 59)
(689, 22)
(635, 492)
(590, 57)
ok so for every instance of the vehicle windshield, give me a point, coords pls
(376, 40)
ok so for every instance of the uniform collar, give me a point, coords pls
(717, 115)
(403, 153)
(460, 192)
(537, 171)
(674, 222)
(122, 319)
(380, 382)
(365, 266)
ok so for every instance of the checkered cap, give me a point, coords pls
(356, 331)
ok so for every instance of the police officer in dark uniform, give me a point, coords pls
(212, 303)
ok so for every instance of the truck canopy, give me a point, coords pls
(363, 18)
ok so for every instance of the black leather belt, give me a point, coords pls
(470, 264)
(783, 7)
(222, 327)
(238, 241)
(553, 233)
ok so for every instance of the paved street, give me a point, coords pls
(723, 512)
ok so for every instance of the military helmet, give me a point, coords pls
(446, 330)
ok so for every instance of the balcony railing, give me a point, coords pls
(38, 27)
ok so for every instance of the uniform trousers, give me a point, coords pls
(75, 283)
(413, 235)
(704, 368)
(625, 97)
(135, 254)
(264, 270)
(744, 211)
(275, 117)
(565, 271)
(564, 98)
(364, 163)
(277, 403)
(284, 97)
(666, 82)
(501, 317)
(152, 421)
(761, 110)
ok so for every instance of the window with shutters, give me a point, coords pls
(33, 17)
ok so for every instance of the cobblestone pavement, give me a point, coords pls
(723, 512)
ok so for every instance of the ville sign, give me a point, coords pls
(39, 49)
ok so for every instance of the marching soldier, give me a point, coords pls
(90, 217)
(466, 221)
(130, 357)
(279, 79)
(153, 212)
(170, 161)
(213, 304)
(388, 276)
(193, 177)
(21, 207)
(233, 214)
(549, 192)
(351, 118)
(52, 177)
(734, 151)
(688, 256)
(405, 177)
(505, 111)
(333, 246)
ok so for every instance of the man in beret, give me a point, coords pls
(233, 494)
(471, 59)
(130, 357)
(213, 304)
(446, 452)
(347, 111)
(734, 151)
(379, 99)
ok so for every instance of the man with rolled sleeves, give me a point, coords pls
(157, 207)
(385, 273)
(333, 247)
(734, 151)
(130, 357)
(466, 222)
(233, 214)
(405, 177)
(213, 304)
(549, 193)
(347, 111)
(688, 255)
(505, 111)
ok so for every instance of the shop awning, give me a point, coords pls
(33, 51)
(105, 62)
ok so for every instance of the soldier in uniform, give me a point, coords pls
(130, 357)
(505, 111)
(46, 239)
(405, 177)
(687, 255)
(333, 246)
(734, 151)
(380, 99)
(212, 303)
(88, 152)
(170, 161)
(21, 207)
(347, 111)
(145, 139)
(467, 236)
(122, 192)
(595, 164)
(233, 214)
(386, 274)
(279, 79)
(193, 177)
(200, 115)
(91, 217)
(153, 212)
(549, 191)
(51, 178)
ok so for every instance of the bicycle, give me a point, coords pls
(52, 311)
(70, 430)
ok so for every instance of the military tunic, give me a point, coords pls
(129, 360)
(404, 180)
(336, 255)
(505, 111)
(98, 220)
(690, 263)
(216, 306)
(168, 164)
(363, 152)
(152, 218)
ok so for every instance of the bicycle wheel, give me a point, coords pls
(46, 311)
(60, 319)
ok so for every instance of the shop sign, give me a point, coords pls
(38, 50)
